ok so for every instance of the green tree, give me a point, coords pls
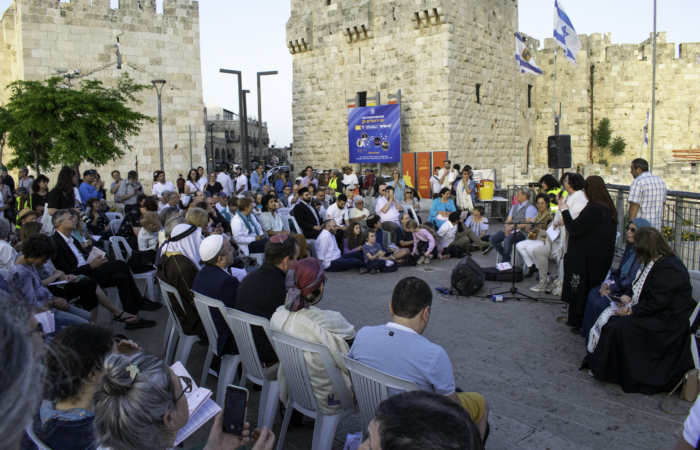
(618, 146)
(603, 133)
(49, 125)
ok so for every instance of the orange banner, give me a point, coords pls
(423, 173)
(439, 159)
(408, 161)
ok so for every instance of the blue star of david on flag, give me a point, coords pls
(565, 34)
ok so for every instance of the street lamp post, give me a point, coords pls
(240, 108)
(158, 84)
(245, 127)
(260, 121)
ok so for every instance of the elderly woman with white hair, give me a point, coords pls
(359, 213)
(140, 403)
(178, 266)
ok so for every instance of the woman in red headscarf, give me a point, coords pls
(300, 317)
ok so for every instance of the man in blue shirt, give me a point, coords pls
(258, 180)
(399, 349)
(87, 190)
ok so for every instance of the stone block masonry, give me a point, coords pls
(40, 35)
(435, 51)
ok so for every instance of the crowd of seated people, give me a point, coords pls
(116, 379)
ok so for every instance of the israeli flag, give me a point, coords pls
(646, 130)
(523, 57)
(564, 33)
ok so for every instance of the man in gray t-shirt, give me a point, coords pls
(399, 349)
(128, 191)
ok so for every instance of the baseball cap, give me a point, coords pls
(89, 172)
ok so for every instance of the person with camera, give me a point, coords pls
(127, 192)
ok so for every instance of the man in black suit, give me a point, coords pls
(215, 281)
(71, 258)
(306, 215)
(264, 290)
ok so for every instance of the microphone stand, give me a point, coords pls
(514, 290)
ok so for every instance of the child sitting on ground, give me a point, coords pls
(376, 258)
(426, 244)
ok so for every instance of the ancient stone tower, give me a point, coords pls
(453, 61)
(41, 35)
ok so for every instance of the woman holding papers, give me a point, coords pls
(140, 403)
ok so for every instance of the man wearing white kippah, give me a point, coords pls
(214, 280)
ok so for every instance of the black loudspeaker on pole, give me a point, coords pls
(559, 151)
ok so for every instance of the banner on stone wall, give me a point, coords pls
(374, 134)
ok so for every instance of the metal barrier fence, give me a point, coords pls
(680, 222)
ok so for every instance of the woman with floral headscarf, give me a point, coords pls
(301, 318)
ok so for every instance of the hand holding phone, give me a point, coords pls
(235, 410)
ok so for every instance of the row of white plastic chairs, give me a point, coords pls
(370, 386)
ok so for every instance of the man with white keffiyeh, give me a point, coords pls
(643, 341)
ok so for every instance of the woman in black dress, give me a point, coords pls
(591, 248)
(40, 193)
(62, 196)
(213, 186)
(645, 345)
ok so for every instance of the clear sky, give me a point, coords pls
(250, 36)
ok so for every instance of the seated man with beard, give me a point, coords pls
(306, 215)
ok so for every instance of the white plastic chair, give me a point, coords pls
(114, 216)
(240, 324)
(184, 342)
(292, 221)
(371, 387)
(290, 350)
(149, 277)
(229, 363)
(411, 211)
(115, 224)
(32, 435)
(694, 281)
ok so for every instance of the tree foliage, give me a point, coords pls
(603, 133)
(50, 125)
(618, 146)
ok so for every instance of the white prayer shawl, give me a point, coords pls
(328, 328)
(637, 286)
(464, 199)
(576, 202)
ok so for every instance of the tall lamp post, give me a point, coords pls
(260, 121)
(158, 84)
(240, 109)
(245, 127)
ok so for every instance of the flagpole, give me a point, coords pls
(515, 95)
(554, 86)
(653, 99)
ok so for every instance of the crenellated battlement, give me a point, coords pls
(101, 9)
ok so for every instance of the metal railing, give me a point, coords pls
(680, 222)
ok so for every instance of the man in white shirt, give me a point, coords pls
(339, 213)
(328, 253)
(241, 181)
(435, 184)
(388, 209)
(225, 180)
(160, 185)
(7, 253)
(294, 199)
(448, 234)
(447, 176)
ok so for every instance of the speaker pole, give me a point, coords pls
(557, 117)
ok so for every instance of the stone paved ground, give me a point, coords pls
(515, 353)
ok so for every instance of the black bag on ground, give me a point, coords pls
(467, 277)
(493, 274)
(409, 260)
(142, 261)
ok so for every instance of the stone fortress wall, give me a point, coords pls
(435, 51)
(40, 35)
(614, 82)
